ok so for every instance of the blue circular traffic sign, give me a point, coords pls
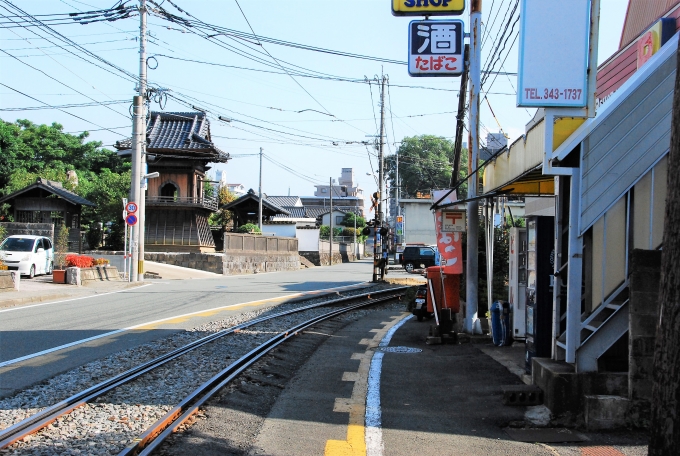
(131, 207)
(131, 219)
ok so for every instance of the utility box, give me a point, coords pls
(517, 278)
(446, 289)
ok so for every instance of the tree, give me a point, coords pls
(348, 221)
(425, 163)
(665, 413)
(222, 217)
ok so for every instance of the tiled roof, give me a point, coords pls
(251, 195)
(185, 132)
(53, 187)
(285, 201)
(316, 211)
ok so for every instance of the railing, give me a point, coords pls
(206, 202)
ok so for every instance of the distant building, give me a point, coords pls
(237, 189)
(494, 143)
(345, 188)
(221, 178)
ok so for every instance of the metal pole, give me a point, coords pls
(381, 176)
(135, 190)
(259, 211)
(355, 236)
(472, 324)
(330, 220)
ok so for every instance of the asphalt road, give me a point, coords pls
(27, 330)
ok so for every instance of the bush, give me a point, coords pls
(349, 232)
(79, 261)
(249, 228)
(61, 247)
(100, 262)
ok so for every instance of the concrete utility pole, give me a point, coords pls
(259, 211)
(330, 220)
(138, 156)
(472, 324)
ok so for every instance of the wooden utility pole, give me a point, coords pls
(665, 416)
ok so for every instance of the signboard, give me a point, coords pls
(428, 7)
(453, 222)
(399, 229)
(449, 245)
(131, 207)
(131, 219)
(435, 48)
(553, 53)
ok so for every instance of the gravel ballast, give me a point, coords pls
(108, 424)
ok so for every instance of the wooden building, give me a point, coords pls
(246, 208)
(47, 201)
(179, 148)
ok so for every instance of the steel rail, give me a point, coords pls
(168, 424)
(34, 423)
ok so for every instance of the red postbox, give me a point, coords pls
(446, 289)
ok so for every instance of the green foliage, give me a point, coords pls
(425, 163)
(350, 231)
(324, 230)
(249, 228)
(348, 221)
(222, 217)
(29, 151)
(94, 237)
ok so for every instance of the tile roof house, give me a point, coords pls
(179, 147)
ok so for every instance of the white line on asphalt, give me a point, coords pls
(374, 441)
(14, 309)
(130, 328)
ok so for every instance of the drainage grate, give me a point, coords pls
(398, 349)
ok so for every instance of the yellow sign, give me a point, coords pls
(428, 7)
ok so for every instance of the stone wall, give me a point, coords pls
(33, 229)
(250, 262)
(211, 262)
(645, 274)
(312, 257)
(6, 281)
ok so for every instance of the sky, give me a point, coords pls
(309, 128)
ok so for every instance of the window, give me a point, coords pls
(47, 243)
(339, 219)
(426, 252)
(324, 190)
(38, 245)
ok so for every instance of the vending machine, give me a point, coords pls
(517, 278)
(539, 288)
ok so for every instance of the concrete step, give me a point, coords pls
(605, 412)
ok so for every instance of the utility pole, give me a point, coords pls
(259, 211)
(138, 157)
(330, 219)
(472, 324)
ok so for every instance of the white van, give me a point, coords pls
(30, 255)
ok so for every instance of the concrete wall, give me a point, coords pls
(418, 221)
(33, 229)
(211, 262)
(248, 254)
(645, 274)
(235, 242)
(308, 239)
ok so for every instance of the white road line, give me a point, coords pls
(373, 423)
(130, 328)
(14, 309)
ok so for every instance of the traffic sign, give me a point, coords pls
(428, 7)
(131, 207)
(435, 48)
(131, 219)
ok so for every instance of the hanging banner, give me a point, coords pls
(449, 244)
(553, 53)
(428, 7)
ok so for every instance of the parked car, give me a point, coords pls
(418, 257)
(30, 255)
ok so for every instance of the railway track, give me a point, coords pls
(187, 407)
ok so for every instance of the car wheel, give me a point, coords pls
(31, 272)
(408, 267)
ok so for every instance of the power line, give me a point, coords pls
(66, 112)
(64, 106)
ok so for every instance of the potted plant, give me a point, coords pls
(60, 247)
